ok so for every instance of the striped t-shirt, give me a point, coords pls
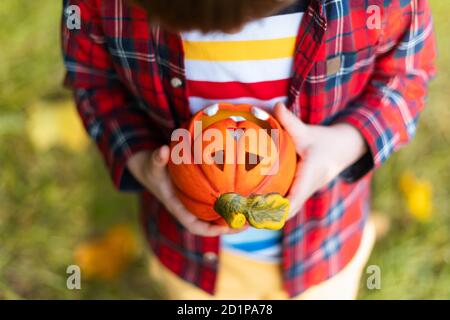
(253, 66)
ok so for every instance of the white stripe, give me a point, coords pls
(275, 27)
(241, 71)
(197, 103)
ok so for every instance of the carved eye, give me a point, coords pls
(252, 160)
(219, 159)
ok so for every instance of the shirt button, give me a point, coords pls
(210, 257)
(176, 82)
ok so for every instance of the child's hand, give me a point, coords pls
(325, 151)
(150, 169)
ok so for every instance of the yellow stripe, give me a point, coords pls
(239, 50)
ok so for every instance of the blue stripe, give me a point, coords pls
(256, 245)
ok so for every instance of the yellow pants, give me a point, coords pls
(242, 278)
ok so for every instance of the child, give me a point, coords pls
(348, 90)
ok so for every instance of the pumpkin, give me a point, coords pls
(232, 165)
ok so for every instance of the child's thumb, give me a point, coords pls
(290, 122)
(160, 156)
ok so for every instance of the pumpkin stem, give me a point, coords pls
(235, 220)
(267, 211)
(231, 207)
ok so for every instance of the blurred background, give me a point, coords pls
(58, 206)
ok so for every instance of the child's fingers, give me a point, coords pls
(179, 211)
(300, 188)
(206, 229)
(234, 231)
(192, 223)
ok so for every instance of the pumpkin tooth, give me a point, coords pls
(260, 113)
(237, 118)
(211, 110)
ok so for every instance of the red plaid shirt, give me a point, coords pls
(130, 88)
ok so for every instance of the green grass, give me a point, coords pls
(414, 257)
(51, 201)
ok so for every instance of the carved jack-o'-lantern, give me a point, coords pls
(234, 165)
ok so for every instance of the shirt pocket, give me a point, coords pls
(333, 82)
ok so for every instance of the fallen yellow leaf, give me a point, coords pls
(407, 180)
(107, 257)
(418, 196)
(56, 124)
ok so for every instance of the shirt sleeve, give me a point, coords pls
(387, 112)
(115, 120)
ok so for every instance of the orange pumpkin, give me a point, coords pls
(232, 155)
